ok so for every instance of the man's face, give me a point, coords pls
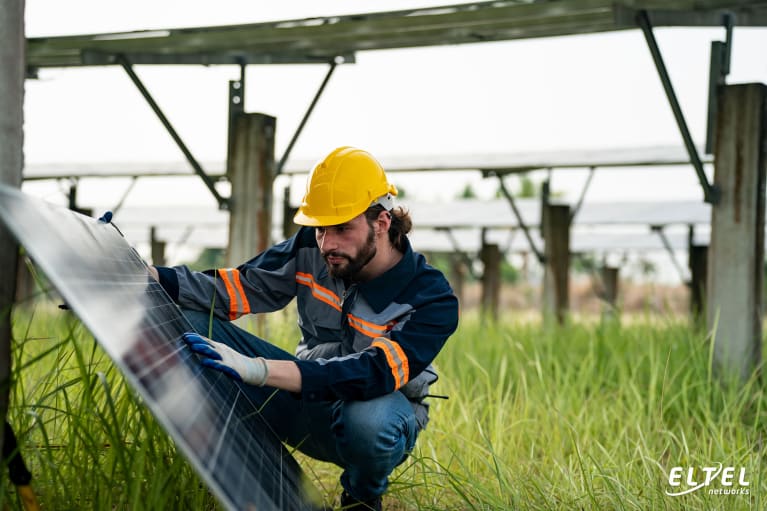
(347, 247)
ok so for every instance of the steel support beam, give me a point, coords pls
(710, 192)
(520, 220)
(719, 68)
(585, 189)
(467, 261)
(308, 113)
(236, 107)
(658, 229)
(125, 63)
(125, 194)
(181, 241)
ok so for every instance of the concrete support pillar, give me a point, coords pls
(491, 280)
(157, 248)
(736, 254)
(251, 173)
(556, 277)
(13, 66)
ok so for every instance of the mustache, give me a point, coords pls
(334, 253)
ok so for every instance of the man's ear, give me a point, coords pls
(383, 221)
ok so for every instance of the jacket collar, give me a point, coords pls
(382, 290)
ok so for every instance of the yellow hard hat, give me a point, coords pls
(340, 187)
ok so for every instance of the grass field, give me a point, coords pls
(592, 416)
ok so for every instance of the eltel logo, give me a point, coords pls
(707, 475)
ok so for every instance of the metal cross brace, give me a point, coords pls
(710, 192)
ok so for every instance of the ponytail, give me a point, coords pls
(401, 224)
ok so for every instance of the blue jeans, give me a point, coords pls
(368, 439)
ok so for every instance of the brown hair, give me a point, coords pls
(401, 223)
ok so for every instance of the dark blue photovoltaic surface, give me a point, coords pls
(105, 282)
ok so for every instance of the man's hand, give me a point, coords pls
(253, 371)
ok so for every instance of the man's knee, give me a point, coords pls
(383, 427)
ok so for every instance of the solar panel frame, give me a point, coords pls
(320, 39)
(208, 416)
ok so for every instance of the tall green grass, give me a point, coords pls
(87, 439)
(589, 416)
(584, 417)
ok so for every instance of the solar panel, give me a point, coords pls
(105, 282)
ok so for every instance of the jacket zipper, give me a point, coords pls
(347, 300)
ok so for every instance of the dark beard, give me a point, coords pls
(354, 266)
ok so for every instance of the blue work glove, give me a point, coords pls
(250, 370)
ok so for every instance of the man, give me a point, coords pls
(372, 314)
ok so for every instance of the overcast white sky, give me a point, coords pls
(596, 91)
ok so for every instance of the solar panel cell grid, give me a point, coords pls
(208, 416)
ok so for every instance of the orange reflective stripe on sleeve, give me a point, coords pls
(396, 359)
(230, 292)
(238, 304)
(243, 299)
(322, 294)
(366, 327)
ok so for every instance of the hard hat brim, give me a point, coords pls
(321, 221)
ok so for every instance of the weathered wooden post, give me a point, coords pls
(157, 247)
(457, 275)
(13, 66)
(289, 227)
(556, 277)
(251, 174)
(697, 261)
(736, 253)
(25, 283)
(610, 286)
(491, 256)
